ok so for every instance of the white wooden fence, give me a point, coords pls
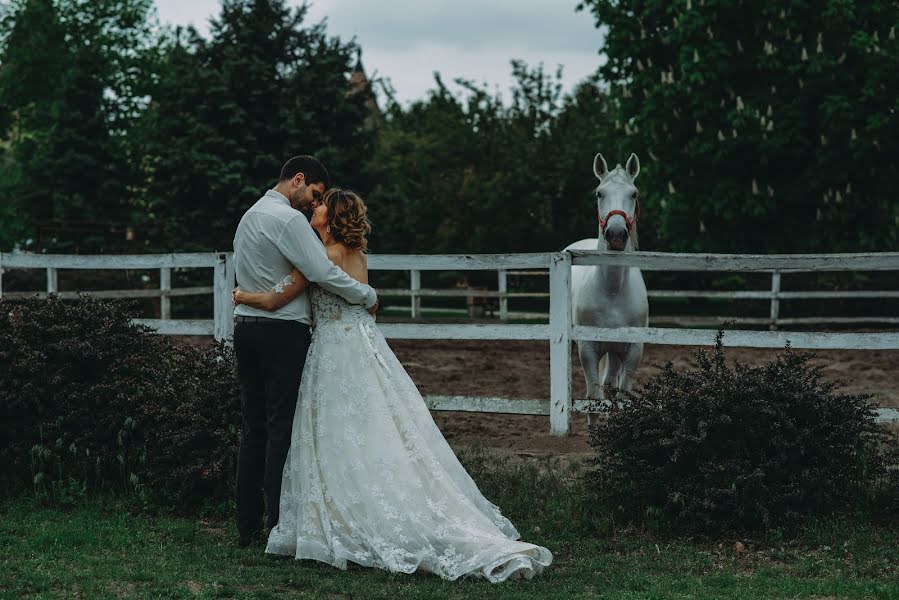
(560, 331)
(773, 295)
(221, 326)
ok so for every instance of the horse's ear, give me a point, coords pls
(633, 166)
(600, 168)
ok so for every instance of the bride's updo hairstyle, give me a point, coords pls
(346, 218)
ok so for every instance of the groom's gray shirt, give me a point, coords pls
(271, 239)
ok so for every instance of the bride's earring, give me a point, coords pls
(329, 229)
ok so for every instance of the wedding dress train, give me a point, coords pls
(371, 480)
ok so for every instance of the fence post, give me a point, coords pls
(414, 286)
(165, 286)
(52, 281)
(775, 299)
(503, 287)
(1, 276)
(560, 344)
(222, 284)
(231, 280)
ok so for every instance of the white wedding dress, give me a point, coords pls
(370, 479)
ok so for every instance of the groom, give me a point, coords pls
(272, 238)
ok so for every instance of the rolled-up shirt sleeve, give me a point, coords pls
(299, 244)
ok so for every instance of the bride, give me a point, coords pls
(369, 478)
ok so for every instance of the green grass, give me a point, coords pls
(99, 550)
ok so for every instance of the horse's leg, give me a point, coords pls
(610, 368)
(630, 362)
(612, 375)
(589, 353)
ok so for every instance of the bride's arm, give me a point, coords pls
(282, 294)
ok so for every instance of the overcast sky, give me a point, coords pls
(407, 40)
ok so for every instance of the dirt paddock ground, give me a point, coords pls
(520, 369)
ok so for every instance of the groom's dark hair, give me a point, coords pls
(309, 166)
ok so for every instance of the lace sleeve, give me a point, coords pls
(287, 281)
(283, 292)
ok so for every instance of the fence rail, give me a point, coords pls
(560, 331)
(745, 263)
(528, 263)
(23, 260)
(536, 407)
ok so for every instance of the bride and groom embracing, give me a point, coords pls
(336, 442)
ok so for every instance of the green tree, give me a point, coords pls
(770, 126)
(422, 157)
(228, 111)
(69, 87)
(33, 41)
(583, 127)
(470, 172)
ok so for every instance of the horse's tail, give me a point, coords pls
(602, 367)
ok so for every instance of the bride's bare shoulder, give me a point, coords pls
(359, 256)
(357, 265)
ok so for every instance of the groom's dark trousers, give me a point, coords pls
(270, 358)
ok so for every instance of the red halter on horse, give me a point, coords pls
(629, 221)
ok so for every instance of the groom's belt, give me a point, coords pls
(241, 319)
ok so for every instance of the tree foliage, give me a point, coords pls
(228, 111)
(761, 127)
(70, 84)
(771, 126)
(470, 172)
(110, 121)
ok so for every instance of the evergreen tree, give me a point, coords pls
(33, 42)
(769, 126)
(228, 111)
(69, 85)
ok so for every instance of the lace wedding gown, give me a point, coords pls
(369, 477)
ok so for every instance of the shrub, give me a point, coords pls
(91, 401)
(739, 448)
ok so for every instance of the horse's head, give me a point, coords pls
(617, 202)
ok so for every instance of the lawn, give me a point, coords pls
(101, 549)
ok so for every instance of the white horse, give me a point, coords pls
(607, 296)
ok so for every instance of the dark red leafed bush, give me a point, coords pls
(91, 401)
(740, 448)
